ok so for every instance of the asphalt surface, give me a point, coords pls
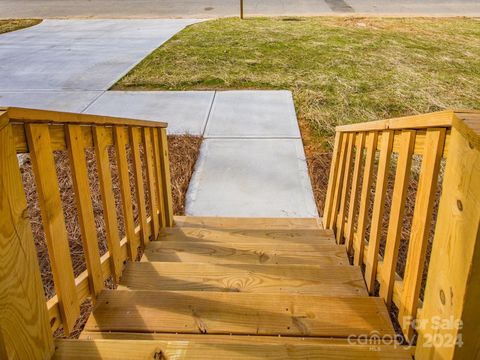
(223, 8)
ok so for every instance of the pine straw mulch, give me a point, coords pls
(183, 151)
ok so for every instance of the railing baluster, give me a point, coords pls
(108, 201)
(359, 242)
(422, 216)
(43, 164)
(127, 206)
(402, 175)
(453, 284)
(332, 179)
(88, 230)
(158, 171)
(378, 209)
(359, 143)
(338, 184)
(149, 161)
(135, 139)
(343, 201)
(24, 321)
(167, 187)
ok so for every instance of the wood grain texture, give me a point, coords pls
(214, 339)
(249, 236)
(338, 183)
(260, 223)
(354, 193)
(453, 284)
(158, 178)
(378, 210)
(332, 179)
(302, 279)
(359, 242)
(88, 229)
(340, 218)
(108, 201)
(47, 117)
(436, 119)
(167, 186)
(151, 181)
(422, 215)
(185, 251)
(148, 349)
(238, 313)
(48, 191)
(124, 178)
(58, 136)
(24, 327)
(402, 175)
(81, 281)
(135, 140)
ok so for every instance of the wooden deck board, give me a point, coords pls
(302, 279)
(275, 236)
(238, 313)
(248, 223)
(219, 338)
(153, 349)
(248, 253)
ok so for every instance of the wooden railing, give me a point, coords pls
(40, 133)
(364, 155)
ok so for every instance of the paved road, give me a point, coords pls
(220, 8)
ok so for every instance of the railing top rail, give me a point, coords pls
(435, 119)
(25, 115)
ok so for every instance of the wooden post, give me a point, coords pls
(453, 285)
(241, 9)
(24, 327)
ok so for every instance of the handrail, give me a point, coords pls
(40, 133)
(363, 156)
(424, 121)
(57, 117)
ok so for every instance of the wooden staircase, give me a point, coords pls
(238, 288)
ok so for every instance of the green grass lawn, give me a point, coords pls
(16, 24)
(340, 70)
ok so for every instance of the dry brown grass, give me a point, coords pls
(17, 24)
(183, 154)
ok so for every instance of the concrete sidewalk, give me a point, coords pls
(251, 161)
(78, 54)
(224, 8)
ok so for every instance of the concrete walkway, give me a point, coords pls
(78, 54)
(223, 8)
(251, 161)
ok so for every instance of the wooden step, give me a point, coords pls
(302, 279)
(248, 236)
(247, 253)
(238, 313)
(214, 339)
(248, 223)
(156, 349)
